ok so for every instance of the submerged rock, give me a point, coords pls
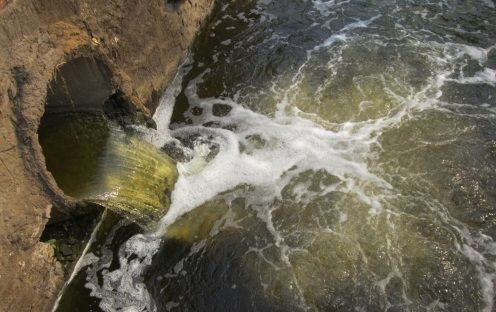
(221, 110)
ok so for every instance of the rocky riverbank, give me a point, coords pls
(140, 43)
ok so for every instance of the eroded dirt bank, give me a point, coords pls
(141, 43)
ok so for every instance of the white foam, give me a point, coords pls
(163, 113)
(123, 289)
(486, 76)
(476, 53)
(489, 3)
(486, 280)
(327, 7)
(290, 142)
(341, 34)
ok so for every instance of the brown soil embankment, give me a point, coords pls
(141, 42)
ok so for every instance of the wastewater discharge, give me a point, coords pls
(332, 156)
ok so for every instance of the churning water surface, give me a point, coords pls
(333, 156)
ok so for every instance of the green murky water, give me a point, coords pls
(333, 156)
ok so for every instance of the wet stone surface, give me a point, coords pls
(69, 238)
(221, 110)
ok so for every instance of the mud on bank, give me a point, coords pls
(130, 49)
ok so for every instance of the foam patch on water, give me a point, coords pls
(123, 289)
(325, 8)
(486, 76)
(163, 113)
(289, 144)
(341, 34)
(489, 3)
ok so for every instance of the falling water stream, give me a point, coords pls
(95, 160)
(332, 156)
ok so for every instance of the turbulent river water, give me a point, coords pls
(332, 156)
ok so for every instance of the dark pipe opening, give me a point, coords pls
(80, 105)
(81, 85)
(73, 131)
(72, 134)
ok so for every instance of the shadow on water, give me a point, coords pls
(219, 275)
(112, 233)
(204, 266)
(221, 281)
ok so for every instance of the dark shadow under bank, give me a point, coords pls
(208, 278)
(76, 297)
(212, 280)
(69, 237)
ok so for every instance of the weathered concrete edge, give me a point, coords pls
(40, 37)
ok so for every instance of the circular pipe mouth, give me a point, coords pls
(74, 126)
(81, 106)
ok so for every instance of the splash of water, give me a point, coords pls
(94, 160)
(135, 179)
